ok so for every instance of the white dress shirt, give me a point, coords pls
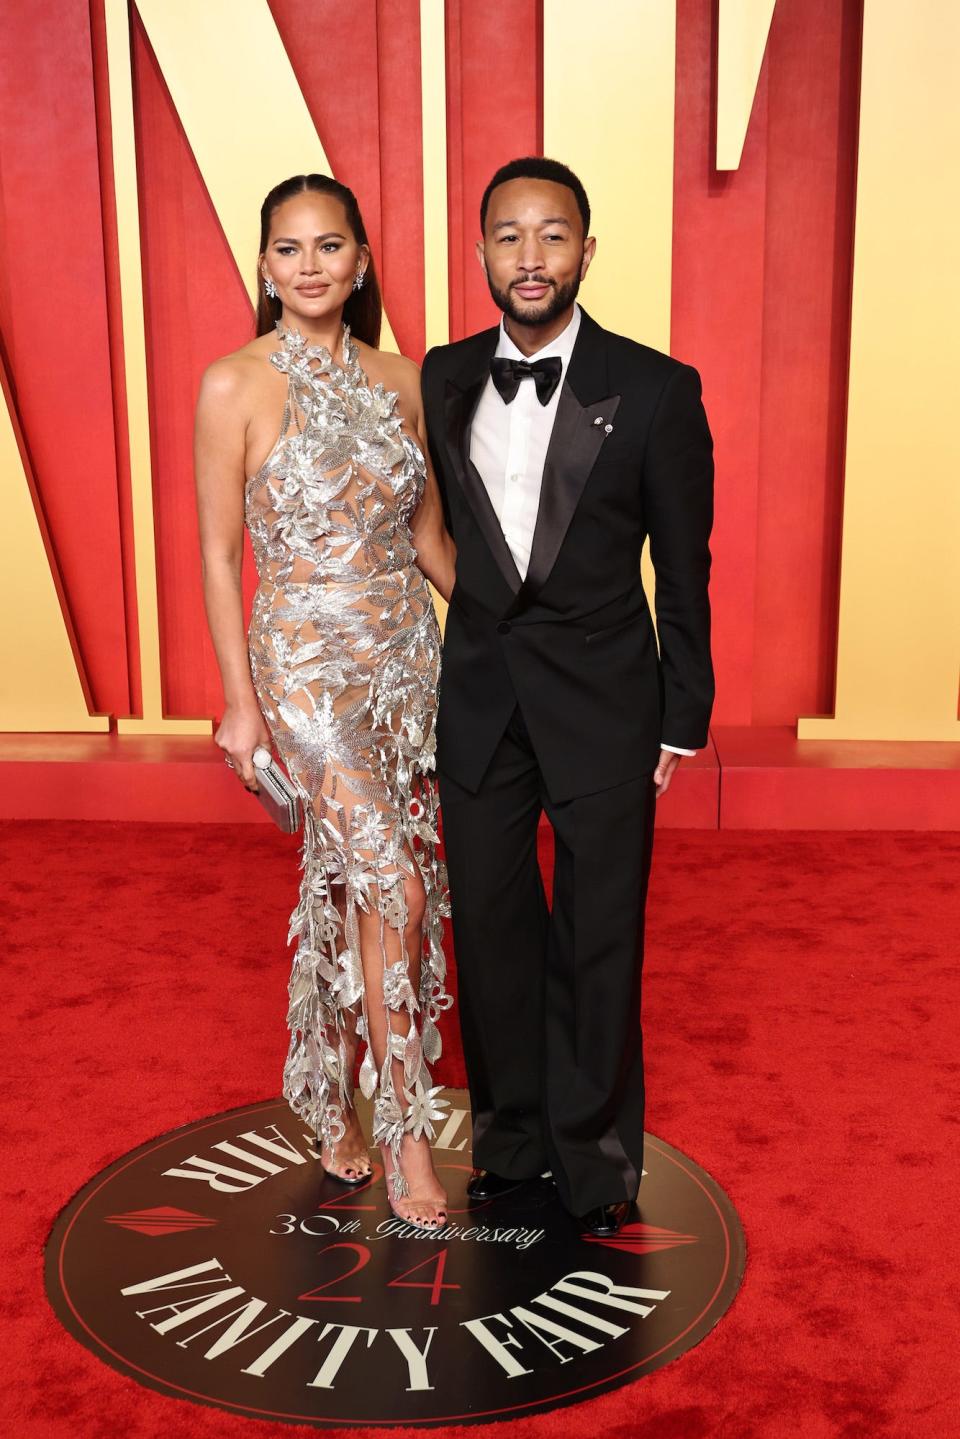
(508, 446)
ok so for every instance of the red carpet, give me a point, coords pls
(801, 1006)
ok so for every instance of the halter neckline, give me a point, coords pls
(293, 339)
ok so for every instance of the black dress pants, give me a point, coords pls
(550, 1000)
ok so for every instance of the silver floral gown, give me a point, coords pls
(345, 658)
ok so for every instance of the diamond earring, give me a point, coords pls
(270, 287)
(358, 279)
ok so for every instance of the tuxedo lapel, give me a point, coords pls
(461, 400)
(583, 412)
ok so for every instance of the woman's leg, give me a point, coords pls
(394, 953)
(347, 1158)
(319, 1023)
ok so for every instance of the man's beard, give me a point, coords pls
(562, 298)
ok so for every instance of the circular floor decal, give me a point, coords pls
(219, 1264)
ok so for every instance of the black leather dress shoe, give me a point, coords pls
(607, 1219)
(484, 1184)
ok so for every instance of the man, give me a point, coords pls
(558, 448)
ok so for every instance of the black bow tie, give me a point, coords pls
(507, 375)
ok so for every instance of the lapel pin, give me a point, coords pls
(607, 429)
(598, 420)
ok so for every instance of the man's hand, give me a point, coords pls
(664, 771)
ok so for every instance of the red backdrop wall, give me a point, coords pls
(761, 291)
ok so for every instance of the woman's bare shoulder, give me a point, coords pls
(232, 376)
(395, 372)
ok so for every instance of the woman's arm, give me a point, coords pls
(219, 453)
(436, 551)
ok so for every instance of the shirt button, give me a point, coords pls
(514, 478)
(503, 628)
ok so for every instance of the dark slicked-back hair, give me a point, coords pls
(537, 167)
(364, 307)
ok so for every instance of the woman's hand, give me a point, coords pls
(241, 731)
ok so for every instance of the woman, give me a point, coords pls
(314, 438)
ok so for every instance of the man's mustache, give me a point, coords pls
(534, 280)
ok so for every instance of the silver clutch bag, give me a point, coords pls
(275, 792)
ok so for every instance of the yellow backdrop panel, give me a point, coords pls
(899, 634)
(433, 85)
(741, 42)
(616, 130)
(41, 688)
(617, 134)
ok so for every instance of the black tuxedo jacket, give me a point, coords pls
(573, 643)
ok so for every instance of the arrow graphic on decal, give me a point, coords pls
(164, 1220)
(640, 1238)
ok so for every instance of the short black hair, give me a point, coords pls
(538, 167)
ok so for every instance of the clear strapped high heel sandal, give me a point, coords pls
(398, 1193)
(360, 1166)
(340, 1169)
